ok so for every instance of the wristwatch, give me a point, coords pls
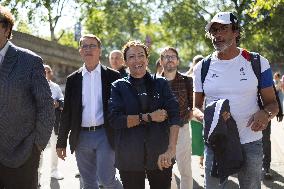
(268, 113)
(140, 118)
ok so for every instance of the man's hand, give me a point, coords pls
(165, 159)
(61, 153)
(258, 121)
(190, 116)
(159, 115)
(199, 115)
(226, 115)
(55, 104)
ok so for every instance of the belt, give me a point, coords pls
(92, 128)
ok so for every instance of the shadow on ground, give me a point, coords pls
(230, 184)
(277, 181)
(54, 184)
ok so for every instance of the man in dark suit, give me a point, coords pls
(85, 115)
(26, 110)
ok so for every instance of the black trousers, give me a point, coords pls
(266, 145)
(136, 179)
(23, 177)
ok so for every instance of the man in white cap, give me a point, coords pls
(230, 76)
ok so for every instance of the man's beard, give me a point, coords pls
(171, 69)
(223, 46)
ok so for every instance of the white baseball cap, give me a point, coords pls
(222, 18)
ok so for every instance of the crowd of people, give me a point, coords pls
(139, 122)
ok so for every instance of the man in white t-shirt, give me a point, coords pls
(230, 76)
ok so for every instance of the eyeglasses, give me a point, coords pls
(168, 58)
(222, 29)
(91, 46)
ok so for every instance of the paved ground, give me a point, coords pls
(70, 182)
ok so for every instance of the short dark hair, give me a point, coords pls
(91, 36)
(167, 49)
(129, 44)
(7, 19)
(237, 27)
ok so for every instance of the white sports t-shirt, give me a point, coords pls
(235, 80)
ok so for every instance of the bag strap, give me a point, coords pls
(256, 66)
(204, 69)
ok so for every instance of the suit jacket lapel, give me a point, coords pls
(104, 85)
(79, 84)
(9, 61)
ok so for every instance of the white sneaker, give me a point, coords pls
(57, 175)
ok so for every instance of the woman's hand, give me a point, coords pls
(199, 115)
(159, 115)
(165, 159)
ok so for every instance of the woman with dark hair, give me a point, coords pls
(145, 116)
(159, 68)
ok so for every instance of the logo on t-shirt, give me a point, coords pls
(242, 74)
(214, 75)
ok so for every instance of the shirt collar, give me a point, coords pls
(97, 69)
(5, 48)
(177, 76)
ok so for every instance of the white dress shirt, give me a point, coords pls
(92, 102)
(3, 51)
(55, 91)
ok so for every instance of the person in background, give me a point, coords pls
(266, 142)
(144, 113)
(197, 126)
(117, 63)
(181, 86)
(84, 116)
(26, 110)
(195, 60)
(58, 100)
(232, 64)
(281, 94)
(159, 68)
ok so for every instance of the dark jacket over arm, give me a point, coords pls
(223, 137)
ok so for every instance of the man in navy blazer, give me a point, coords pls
(84, 116)
(26, 110)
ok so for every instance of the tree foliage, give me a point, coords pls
(184, 22)
(266, 29)
(115, 21)
(49, 11)
(68, 39)
(177, 23)
(24, 27)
